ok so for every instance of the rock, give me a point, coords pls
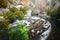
(40, 26)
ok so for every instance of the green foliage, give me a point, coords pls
(4, 27)
(33, 12)
(4, 23)
(54, 13)
(12, 15)
(19, 14)
(24, 9)
(8, 16)
(19, 33)
(13, 9)
(51, 12)
(3, 3)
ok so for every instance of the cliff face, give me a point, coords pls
(41, 5)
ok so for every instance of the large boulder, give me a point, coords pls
(40, 27)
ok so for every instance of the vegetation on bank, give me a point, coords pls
(20, 32)
(6, 19)
(55, 16)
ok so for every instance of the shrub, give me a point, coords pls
(33, 12)
(55, 15)
(19, 15)
(4, 29)
(24, 9)
(20, 32)
(13, 9)
(12, 16)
